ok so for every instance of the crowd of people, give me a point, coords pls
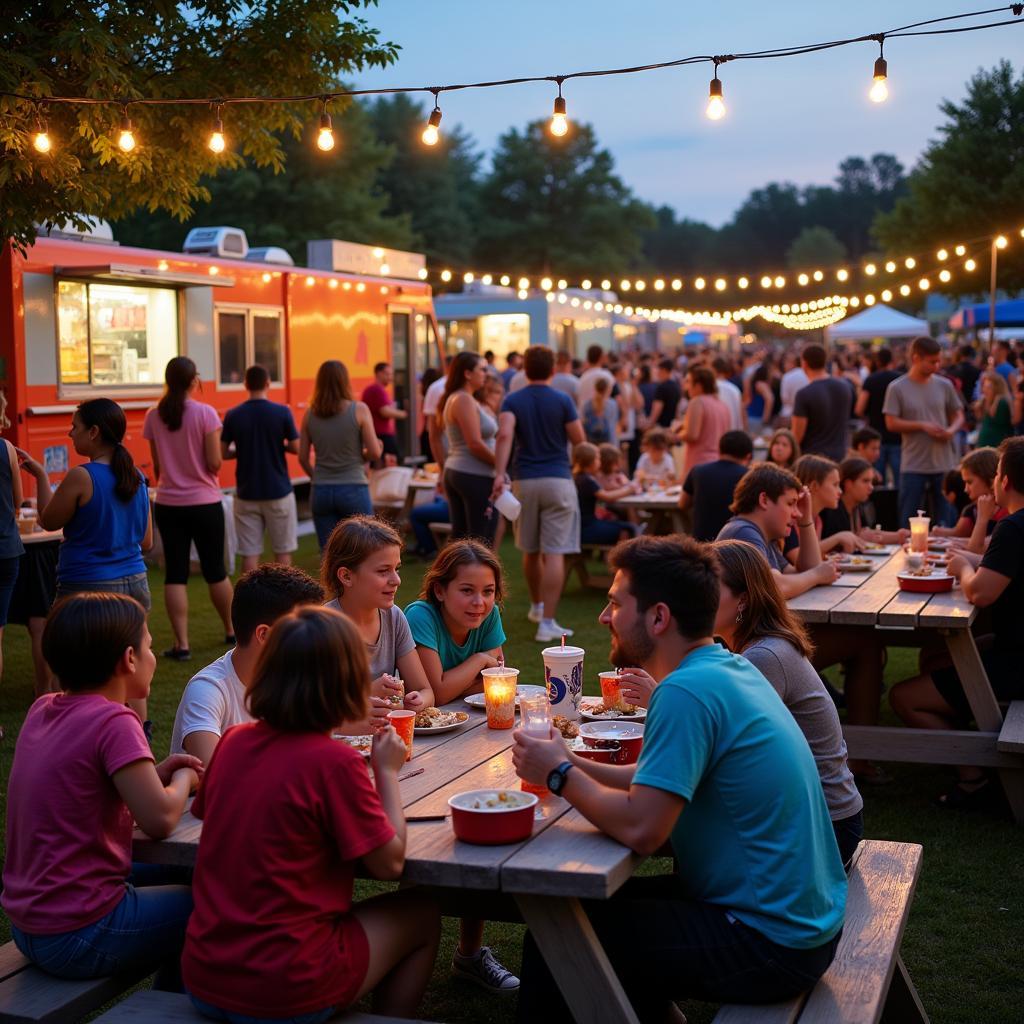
(743, 762)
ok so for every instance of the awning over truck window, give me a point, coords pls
(126, 272)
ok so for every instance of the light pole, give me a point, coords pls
(992, 297)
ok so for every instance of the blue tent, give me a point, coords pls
(1009, 313)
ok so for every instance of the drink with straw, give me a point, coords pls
(611, 689)
(535, 720)
(919, 531)
(563, 673)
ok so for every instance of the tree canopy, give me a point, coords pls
(164, 49)
(969, 182)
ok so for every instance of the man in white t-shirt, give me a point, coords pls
(792, 381)
(729, 393)
(593, 372)
(214, 698)
(431, 401)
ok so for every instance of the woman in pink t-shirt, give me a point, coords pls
(82, 771)
(184, 439)
(707, 419)
(287, 811)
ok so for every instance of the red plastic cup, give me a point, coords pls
(611, 689)
(403, 722)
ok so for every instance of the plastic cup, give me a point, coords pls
(563, 673)
(611, 689)
(404, 722)
(508, 505)
(500, 696)
(534, 720)
(919, 533)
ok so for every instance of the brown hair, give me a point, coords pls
(704, 378)
(312, 673)
(1011, 462)
(463, 363)
(924, 346)
(744, 570)
(351, 542)
(983, 462)
(813, 469)
(609, 456)
(853, 467)
(453, 557)
(539, 362)
(330, 389)
(583, 454)
(179, 374)
(764, 478)
(86, 635)
(791, 438)
(657, 438)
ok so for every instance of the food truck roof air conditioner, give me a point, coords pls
(271, 254)
(96, 230)
(229, 242)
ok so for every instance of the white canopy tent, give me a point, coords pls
(876, 322)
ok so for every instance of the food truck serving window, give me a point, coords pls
(246, 336)
(113, 335)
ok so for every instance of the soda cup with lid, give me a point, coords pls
(563, 674)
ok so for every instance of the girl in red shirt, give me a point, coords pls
(287, 812)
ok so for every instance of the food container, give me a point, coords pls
(492, 826)
(629, 735)
(603, 751)
(936, 583)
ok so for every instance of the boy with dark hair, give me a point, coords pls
(821, 409)
(768, 500)
(214, 698)
(258, 433)
(709, 488)
(725, 775)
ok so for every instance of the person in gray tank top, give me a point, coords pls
(469, 464)
(755, 622)
(340, 431)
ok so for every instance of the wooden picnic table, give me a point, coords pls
(912, 620)
(565, 860)
(663, 505)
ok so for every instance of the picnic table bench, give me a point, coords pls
(907, 619)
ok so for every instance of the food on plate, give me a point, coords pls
(612, 710)
(504, 799)
(925, 571)
(361, 744)
(435, 718)
(568, 728)
(595, 744)
(872, 546)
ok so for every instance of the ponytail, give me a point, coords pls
(109, 419)
(178, 377)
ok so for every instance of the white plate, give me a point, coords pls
(641, 713)
(353, 742)
(882, 550)
(853, 567)
(422, 730)
(476, 700)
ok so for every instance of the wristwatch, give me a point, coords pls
(556, 778)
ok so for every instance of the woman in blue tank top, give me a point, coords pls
(103, 508)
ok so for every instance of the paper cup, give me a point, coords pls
(403, 723)
(563, 673)
(508, 505)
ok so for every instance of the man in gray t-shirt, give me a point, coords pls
(925, 410)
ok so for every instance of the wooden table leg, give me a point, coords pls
(985, 708)
(576, 959)
(902, 1003)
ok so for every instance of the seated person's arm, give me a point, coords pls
(614, 495)
(201, 744)
(458, 681)
(844, 540)
(156, 794)
(981, 586)
(963, 528)
(793, 584)
(418, 694)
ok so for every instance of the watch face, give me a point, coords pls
(555, 781)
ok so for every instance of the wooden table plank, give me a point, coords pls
(861, 607)
(435, 857)
(951, 610)
(814, 605)
(904, 609)
(575, 859)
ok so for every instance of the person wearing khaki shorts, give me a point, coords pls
(543, 423)
(278, 518)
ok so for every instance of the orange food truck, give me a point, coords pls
(81, 316)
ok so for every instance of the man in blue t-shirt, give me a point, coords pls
(543, 423)
(755, 912)
(258, 433)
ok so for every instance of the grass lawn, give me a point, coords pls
(963, 941)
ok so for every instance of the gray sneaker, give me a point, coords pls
(485, 971)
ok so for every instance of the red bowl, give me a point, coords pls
(492, 826)
(629, 735)
(924, 584)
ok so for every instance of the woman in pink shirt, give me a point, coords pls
(707, 419)
(184, 439)
(82, 771)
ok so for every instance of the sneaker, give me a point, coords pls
(485, 971)
(549, 631)
(178, 654)
(536, 612)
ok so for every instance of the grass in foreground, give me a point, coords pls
(962, 943)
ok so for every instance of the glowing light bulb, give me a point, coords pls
(924, 284)
(422, 273)
(325, 135)
(870, 269)
(869, 300)
(941, 255)
(879, 91)
(715, 109)
(559, 122)
(904, 289)
(546, 283)
(699, 284)
(842, 275)
(945, 276)
(890, 266)
(524, 283)
(970, 265)
(468, 277)
(887, 295)
(640, 285)
(1001, 242)
(743, 282)
(41, 142)
(960, 250)
(818, 275)
(780, 282)
(217, 143)
(562, 284)
(766, 281)
(910, 263)
(505, 280)
(446, 276)
(802, 279)
(720, 284)
(432, 132)
(126, 138)
(659, 285)
(605, 285)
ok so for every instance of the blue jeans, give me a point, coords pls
(913, 489)
(333, 502)
(146, 929)
(136, 586)
(216, 1013)
(890, 456)
(421, 517)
